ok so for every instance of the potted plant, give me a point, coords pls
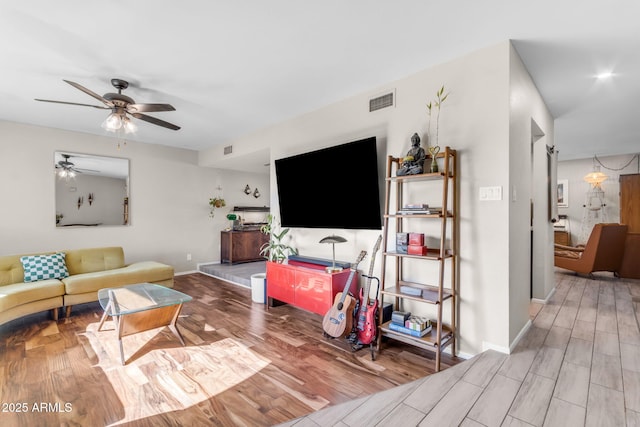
(215, 202)
(275, 250)
(437, 105)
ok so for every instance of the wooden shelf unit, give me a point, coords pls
(434, 291)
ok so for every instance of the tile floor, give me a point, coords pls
(578, 365)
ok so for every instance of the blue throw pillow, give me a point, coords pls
(42, 267)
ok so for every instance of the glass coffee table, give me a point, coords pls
(141, 307)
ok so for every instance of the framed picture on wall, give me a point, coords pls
(563, 193)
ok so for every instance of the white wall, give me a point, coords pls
(575, 170)
(475, 121)
(531, 131)
(169, 198)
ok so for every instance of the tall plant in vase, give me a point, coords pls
(275, 249)
(434, 149)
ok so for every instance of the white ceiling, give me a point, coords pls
(230, 68)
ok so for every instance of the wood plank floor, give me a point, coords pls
(578, 365)
(242, 365)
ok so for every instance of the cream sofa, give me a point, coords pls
(89, 270)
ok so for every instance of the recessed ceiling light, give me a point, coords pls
(605, 75)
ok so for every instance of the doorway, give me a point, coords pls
(543, 182)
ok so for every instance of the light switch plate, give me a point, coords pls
(490, 193)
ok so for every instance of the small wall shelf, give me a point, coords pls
(251, 209)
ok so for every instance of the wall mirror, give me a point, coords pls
(91, 190)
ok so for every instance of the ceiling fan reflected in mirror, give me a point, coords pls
(67, 170)
(121, 107)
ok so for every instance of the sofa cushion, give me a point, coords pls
(20, 293)
(43, 267)
(81, 261)
(11, 270)
(139, 272)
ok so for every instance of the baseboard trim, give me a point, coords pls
(489, 346)
(508, 350)
(520, 335)
(184, 273)
(546, 300)
(461, 354)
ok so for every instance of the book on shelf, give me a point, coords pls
(428, 211)
(417, 323)
(410, 290)
(400, 317)
(407, 331)
(415, 206)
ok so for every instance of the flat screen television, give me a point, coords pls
(335, 187)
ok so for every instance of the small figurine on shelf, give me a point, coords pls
(413, 162)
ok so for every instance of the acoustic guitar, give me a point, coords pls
(339, 319)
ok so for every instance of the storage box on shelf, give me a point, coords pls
(444, 255)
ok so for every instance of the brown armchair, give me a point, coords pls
(603, 251)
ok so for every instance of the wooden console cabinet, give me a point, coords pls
(630, 215)
(562, 237)
(241, 246)
(304, 287)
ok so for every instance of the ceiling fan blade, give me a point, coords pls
(155, 121)
(90, 93)
(74, 103)
(148, 108)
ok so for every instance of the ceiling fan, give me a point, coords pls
(121, 106)
(67, 169)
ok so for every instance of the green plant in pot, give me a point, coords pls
(275, 249)
(215, 202)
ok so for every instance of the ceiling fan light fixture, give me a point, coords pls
(128, 125)
(66, 174)
(121, 105)
(112, 123)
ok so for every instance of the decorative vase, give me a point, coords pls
(434, 152)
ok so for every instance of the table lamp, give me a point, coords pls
(333, 240)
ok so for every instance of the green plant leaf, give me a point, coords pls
(281, 234)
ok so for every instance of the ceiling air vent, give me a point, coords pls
(228, 149)
(381, 102)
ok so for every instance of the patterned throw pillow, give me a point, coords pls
(42, 267)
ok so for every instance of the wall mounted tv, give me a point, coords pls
(335, 187)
